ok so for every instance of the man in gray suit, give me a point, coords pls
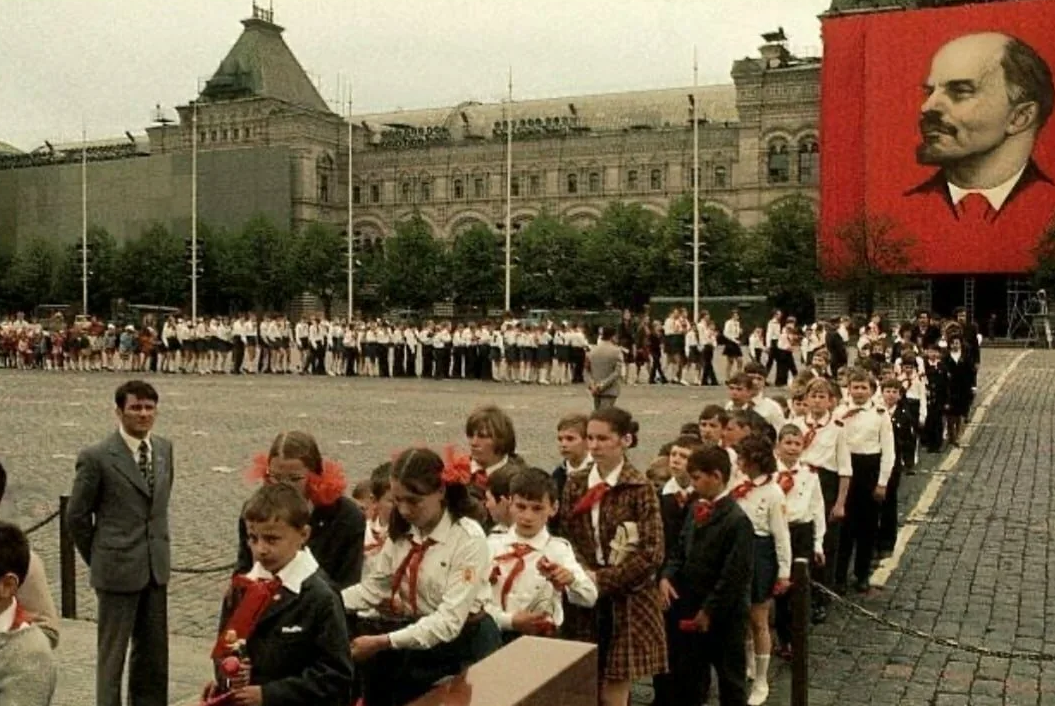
(118, 515)
(604, 375)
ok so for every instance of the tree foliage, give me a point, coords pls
(550, 270)
(31, 275)
(321, 257)
(416, 269)
(103, 271)
(786, 246)
(873, 258)
(476, 265)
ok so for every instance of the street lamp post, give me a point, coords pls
(695, 191)
(194, 212)
(351, 229)
(84, 220)
(509, 195)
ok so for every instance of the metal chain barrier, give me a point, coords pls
(43, 523)
(914, 632)
(197, 571)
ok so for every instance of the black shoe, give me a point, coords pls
(862, 587)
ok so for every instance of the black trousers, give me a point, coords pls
(694, 654)
(578, 364)
(238, 356)
(141, 618)
(398, 360)
(774, 353)
(785, 365)
(458, 366)
(411, 368)
(824, 575)
(933, 428)
(887, 536)
(862, 520)
(428, 354)
(656, 373)
(351, 361)
(801, 547)
(709, 376)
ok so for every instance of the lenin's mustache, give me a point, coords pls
(931, 122)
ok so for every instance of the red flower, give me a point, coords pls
(323, 489)
(457, 468)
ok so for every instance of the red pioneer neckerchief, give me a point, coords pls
(517, 554)
(409, 568)
(255, 597)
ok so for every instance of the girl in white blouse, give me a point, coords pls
(430, 582)
(762, 500)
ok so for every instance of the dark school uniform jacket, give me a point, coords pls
(712, 563)
(336, 542)
(299, 648)
(903, 421)
(673, 516)
(937, 384)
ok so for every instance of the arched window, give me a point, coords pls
(573, 183)
(809, 161)
(595, 182)
(404, 192)
(535, 184)
(778, 165)
(721, 178)
(631, 180)
(655, 180)
(324, 176)
(479, 187)
(458, 187)
(357, 194)
(514, 186)
(425, 190)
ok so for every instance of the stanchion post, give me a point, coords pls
(67, 563)
(800, 625)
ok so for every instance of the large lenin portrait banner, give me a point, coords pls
(937, 136)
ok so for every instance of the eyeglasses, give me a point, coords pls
(291, 479)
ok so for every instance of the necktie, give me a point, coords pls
(516, 555)
(702, 512)
(786, 481)
(409, 568)
(145, 467)
(590, 499)
(974, 209)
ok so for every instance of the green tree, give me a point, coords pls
(550, 266)
(871, 258)
(321, 257)
(623, 255)
(152, 269)
(723, 244)
(786, 248)
(271, 279)
(31, 275)
(103, 276)
(225, 285)
(476, 267)
(415, 271)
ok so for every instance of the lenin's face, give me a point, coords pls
(967, 110)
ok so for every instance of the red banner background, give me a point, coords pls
(873, 70)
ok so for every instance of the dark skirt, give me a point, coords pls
(765, 575)
(173, 344)
(563, 353)
(512, 354)
(250, 340)
(496, 354)
(543, 355)
(396, 677)
(732, 349)
(528, 354)
(676, 344)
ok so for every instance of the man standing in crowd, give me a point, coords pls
(603, 372)
(118, 515)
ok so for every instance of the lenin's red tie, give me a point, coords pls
(974, 209)
(593, 497)
(408, 569)
(516, 555)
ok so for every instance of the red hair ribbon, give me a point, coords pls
(457, 468)
(323, 489)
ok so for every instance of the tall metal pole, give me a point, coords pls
(351, 229)
(509, 194)
(84, 219)
(194, 213)
(695, 190)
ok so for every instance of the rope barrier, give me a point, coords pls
(936, 639)
(43, 523)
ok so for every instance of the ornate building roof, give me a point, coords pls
(261, 64)
(632, 110)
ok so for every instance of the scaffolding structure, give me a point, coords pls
(1027, 313)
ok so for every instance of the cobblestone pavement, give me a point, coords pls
(974, 570)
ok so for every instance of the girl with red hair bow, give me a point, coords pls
(338, 526)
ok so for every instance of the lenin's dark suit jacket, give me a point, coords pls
(1028, 209)
(121, 531)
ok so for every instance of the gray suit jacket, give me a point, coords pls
(604, 369)
(121, 532)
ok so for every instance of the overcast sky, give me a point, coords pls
(106, 63)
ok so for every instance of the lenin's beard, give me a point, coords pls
(930, 150)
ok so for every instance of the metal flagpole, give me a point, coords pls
(351, 229)
(695, 190)
(84, 219)
(194, 213)
(509, 193)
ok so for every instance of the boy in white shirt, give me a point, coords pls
(28, 669)
(531, 569)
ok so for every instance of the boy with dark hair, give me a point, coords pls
(28, 669)
(496, 500)
(904, 426)
(283, 616)
(571, 441)
(705, 586)
(33, 595)
(531, 570)
(937, 374)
